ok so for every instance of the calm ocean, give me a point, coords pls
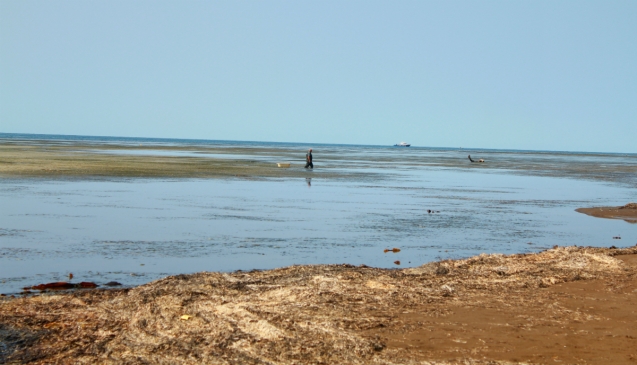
(432, 203)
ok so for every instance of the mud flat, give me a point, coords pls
(564, 305)
(46, 159)
(627, 212)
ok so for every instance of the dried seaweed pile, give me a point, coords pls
(300, 314)
(629, 206)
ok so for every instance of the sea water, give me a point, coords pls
(137, 230)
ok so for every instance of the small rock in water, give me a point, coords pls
(112, 283)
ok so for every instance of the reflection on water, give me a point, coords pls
(137, 230)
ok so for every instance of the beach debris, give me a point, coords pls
(447, 290)
(397, 262)
(442, 270)
(394, 250)
(185, 317)
(56, 285)
(347, 291)
(53, 325)
(61, 285)
(113, 283)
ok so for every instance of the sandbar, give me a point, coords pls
(627, 212)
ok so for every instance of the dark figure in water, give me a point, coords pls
(308, 159)
(470, 159)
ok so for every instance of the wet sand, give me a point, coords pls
(627, 212)
(44, 159)
(564, 305)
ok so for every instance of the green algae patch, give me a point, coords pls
(53, 159)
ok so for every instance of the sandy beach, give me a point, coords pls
(571, 305)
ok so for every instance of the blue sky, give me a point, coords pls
(548, 75)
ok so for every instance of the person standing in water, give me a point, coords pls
(308, 159)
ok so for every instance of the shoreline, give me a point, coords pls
(567, 304)
(628, 212)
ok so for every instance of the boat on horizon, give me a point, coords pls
(402, 144)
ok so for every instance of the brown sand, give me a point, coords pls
(568, 305)
(627, 212)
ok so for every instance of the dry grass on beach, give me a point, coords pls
(488, 309)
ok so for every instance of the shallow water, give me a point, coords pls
(137, 230)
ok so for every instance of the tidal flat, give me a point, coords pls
(134, 211)
(90, 159)
(226, 258)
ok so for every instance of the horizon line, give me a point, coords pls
(313, 143)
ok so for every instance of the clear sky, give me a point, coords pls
(549, 75)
